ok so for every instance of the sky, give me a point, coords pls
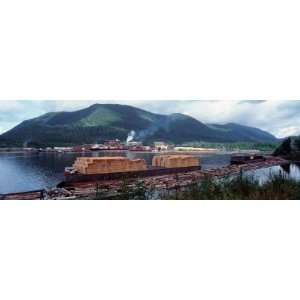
(281, 118)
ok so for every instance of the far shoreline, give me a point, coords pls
(171, 152)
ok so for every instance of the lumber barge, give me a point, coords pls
(109, 168)
(166, 181)
(87, 189)
(77, 177)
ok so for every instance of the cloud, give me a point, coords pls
(278, 117)
(252, 101)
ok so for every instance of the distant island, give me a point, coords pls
(100, 122)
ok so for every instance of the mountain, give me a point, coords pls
(109, 121)
(245, 133)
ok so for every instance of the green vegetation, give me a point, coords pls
(266, 147)
(240, 187)
(110, 121)
(136, 191)
(100, 193)
(297, 143)
(232, 187)
(289, 148)
(128, 191)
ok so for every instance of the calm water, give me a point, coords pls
(290, 170)
(24, 171)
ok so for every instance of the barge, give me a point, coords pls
(73, 176)
(113, 168)
(245, 159)
(80, 190)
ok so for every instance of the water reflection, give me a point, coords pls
(290, 170)
(29, 171)
(26, 171)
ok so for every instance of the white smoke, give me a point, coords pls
(130, 136)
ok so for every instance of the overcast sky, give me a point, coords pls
(281, 118)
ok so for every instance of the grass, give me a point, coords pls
(243, 187)
(277, 186)
(271, 146)
(128, 191)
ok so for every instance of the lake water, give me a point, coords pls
(262, 175)
(29, 171)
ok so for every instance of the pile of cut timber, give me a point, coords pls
(100, 165)
(175, 161)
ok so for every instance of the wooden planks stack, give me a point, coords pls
(175, 161)
(100, 165)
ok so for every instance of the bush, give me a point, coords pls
(138, 191)
(241, 187)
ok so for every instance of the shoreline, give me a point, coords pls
(125, 150)
(160, 182)
(205, 151)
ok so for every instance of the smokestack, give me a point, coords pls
(130, 136)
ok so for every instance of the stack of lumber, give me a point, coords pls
(175, 161)
(100, 165)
